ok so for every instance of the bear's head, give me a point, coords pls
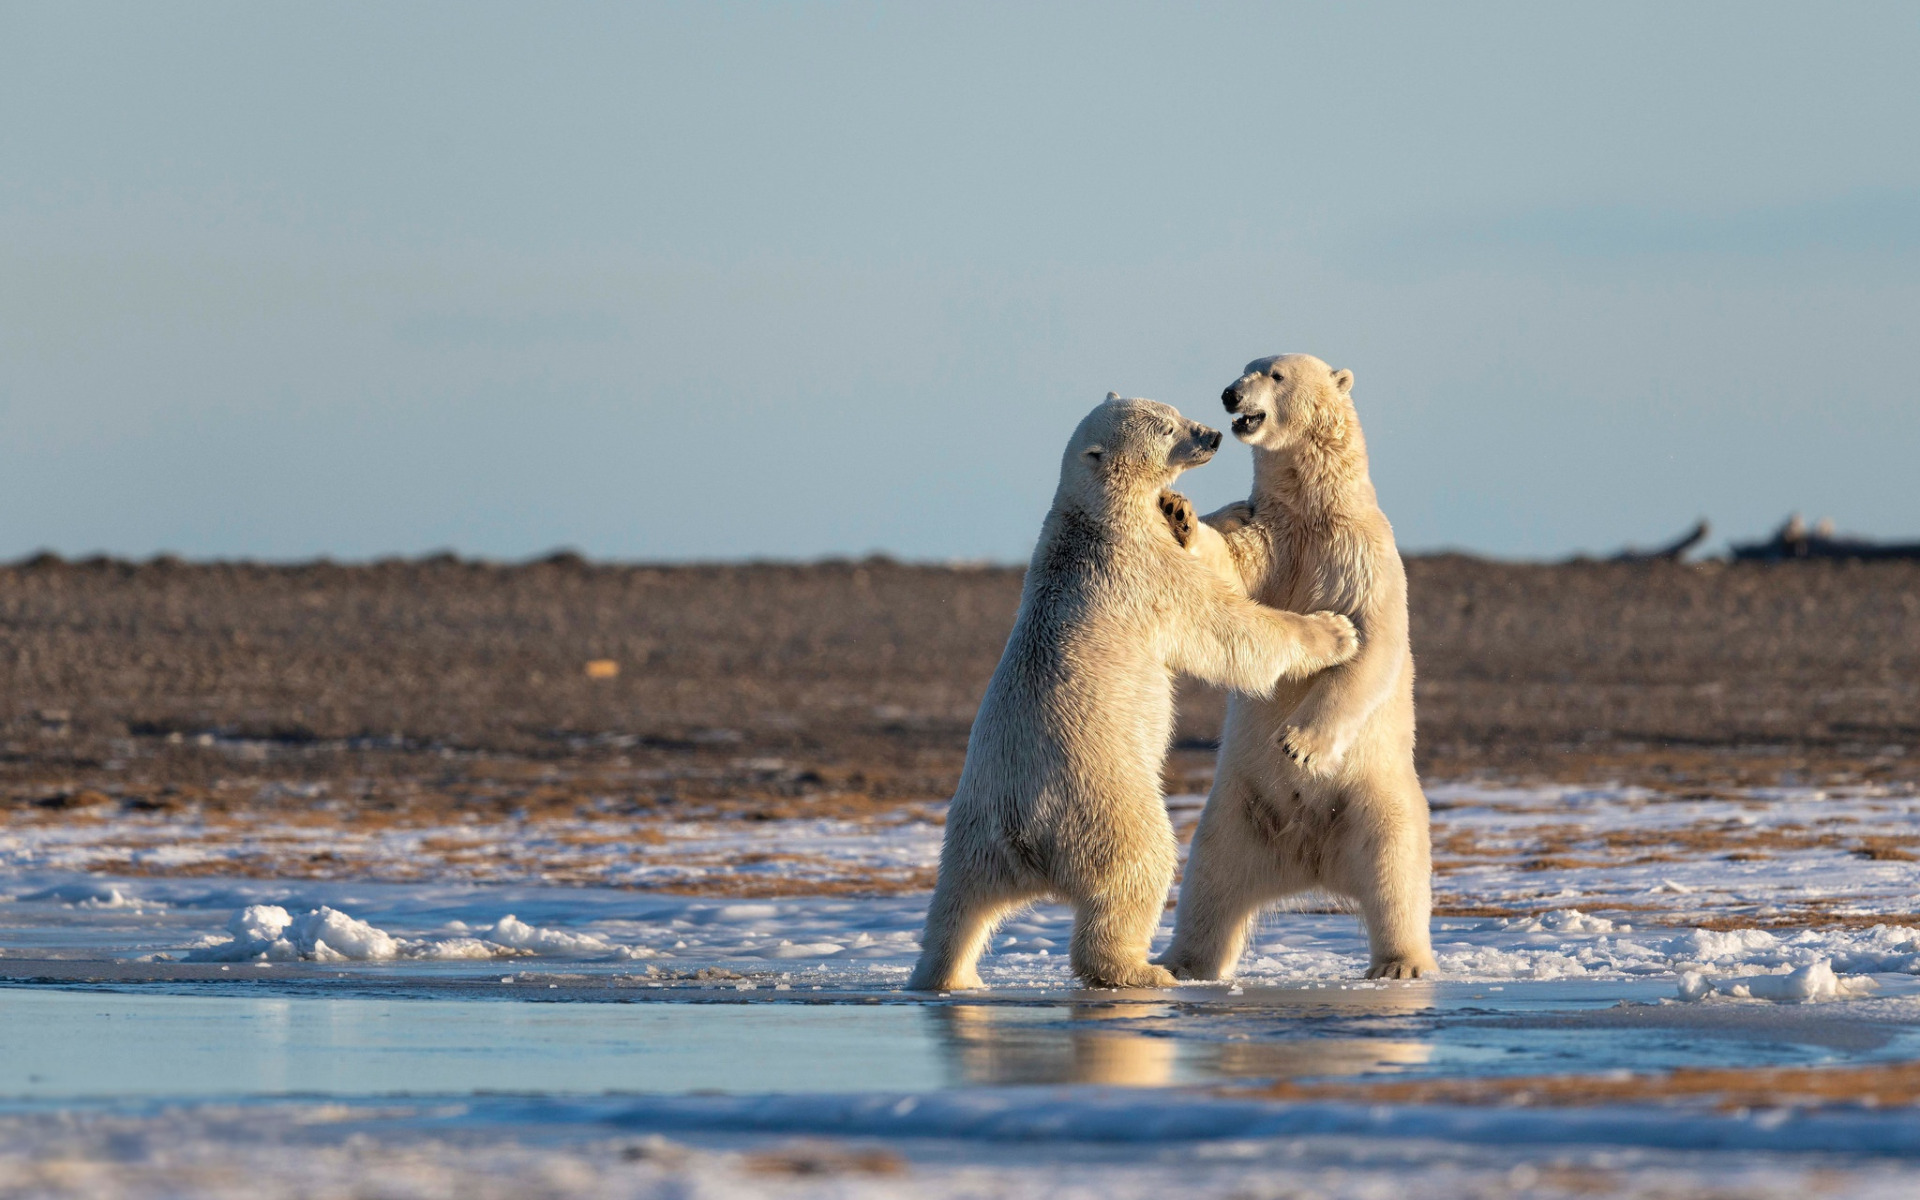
(1286, 398)
(1129, 448)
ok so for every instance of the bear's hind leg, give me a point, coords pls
(1231, 872)
(1113, 930)
(961, 918)
(1110, 942)
(1391, 875)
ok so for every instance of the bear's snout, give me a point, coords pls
(1231, 398)
(1211, 440)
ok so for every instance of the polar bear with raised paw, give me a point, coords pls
(1315, 786)
(1061, 792)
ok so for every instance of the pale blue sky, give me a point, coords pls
(786, 280)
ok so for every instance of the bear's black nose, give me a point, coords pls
(1213, 439)
(1230, 398)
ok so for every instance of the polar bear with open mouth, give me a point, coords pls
(1315, 786)
(1061, 792)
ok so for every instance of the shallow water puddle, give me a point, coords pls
(326, 1035)
(65, 1043)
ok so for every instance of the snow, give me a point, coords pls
(1774, 856)
(860, 942)
(1771, 855)
(1020, 1146)
(890, 854)
(1595, 883)
(267, 933)
(87, 893)
(1752, 915)
(1815, 981)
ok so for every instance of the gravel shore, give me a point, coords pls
(849, 686)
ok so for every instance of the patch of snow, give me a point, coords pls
(1815, 981)
(1729, 945)
(512, 932)
(91, 895)
(267, 932)
(1562, 920)
(1014, 1145)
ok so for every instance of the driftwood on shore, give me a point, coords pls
(1795, 540)
(1673, 551)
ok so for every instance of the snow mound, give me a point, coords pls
(268, 933)
(1815, 981)
(1721, 945)
(513, 933)
(1562, 920)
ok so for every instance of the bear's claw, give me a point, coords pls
(1181, 519)
(1306, 749)
(1397, 968)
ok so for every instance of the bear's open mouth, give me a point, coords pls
(1246, 423)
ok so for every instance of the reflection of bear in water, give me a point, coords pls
(1060, 795)
(1315, 786)
(991, 1045)
(1149, 1044)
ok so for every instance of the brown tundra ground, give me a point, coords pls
(412, 690)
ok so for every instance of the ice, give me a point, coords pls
(1575, 909)
(326, 935)
(892, 852)
(861, 941)
(259, 924)
(1568, 920)
(1782, 856)
(872, 942)
(1815, 981)
(510, 931)
(268, 932)
(1715, 946)
(89, 894)
(1014, 1145)
(1763, 900)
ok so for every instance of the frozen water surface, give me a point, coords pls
(440, 1030)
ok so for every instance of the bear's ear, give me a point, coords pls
(1095, 453)
(1112, 396)
(1343, 379)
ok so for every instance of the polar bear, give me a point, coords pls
(1315, 785)
(1061, 791)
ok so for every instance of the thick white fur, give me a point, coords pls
(1061, 792)
(1315, 786)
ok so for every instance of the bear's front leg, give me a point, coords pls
(1231, 518)
(1326, 724)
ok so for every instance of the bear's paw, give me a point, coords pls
(1399, 968)
(1182, 521)
(1311, 750)
(1338, 641)
(1145, 975)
